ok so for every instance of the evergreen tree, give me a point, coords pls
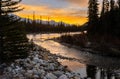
(112, 4)
(109, 19)
(91, 71)
(118, 3)
(93, 15)
(13, 41)
(105, 7)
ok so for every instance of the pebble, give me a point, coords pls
(58, 73)
(50, 76)
(63, 77)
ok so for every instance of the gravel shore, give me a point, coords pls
(40, 64)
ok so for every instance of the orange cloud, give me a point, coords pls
(68, 15)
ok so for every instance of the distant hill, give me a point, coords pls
(51, 22)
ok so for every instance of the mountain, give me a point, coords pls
(51, 22)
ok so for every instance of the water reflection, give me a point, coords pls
(48, 35)
(75, 67)
(57, 48)
(85, 57)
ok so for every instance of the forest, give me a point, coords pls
(34, 26)
(103, 29)
(27, 51)
(104, 23)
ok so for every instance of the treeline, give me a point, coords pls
(103, 29)
(38, 27)
(105, 23)
(77, 39)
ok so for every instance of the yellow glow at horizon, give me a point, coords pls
(66, 19)
(58, 15)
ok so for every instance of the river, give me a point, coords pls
(84, 57)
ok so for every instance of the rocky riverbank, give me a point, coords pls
(40, 64)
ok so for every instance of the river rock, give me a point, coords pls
(36, 59)
(77, 77)
(35, 76)
(50, 76)
(51, 66)
(58, 73)
(63, 77)
(88, 78)
(36, 67)
(29, 73)
(44, 78)
(69, 74)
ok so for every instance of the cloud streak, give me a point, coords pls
(81, 3)
(46, 10)
(60, 10)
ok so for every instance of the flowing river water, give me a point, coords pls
(84, 57)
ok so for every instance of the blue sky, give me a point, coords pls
(50, 3)
(71, 5)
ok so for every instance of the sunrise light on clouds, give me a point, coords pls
(68, 11)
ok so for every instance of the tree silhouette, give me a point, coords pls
(112, 4)
(92, 15)
(105, 7)
(118, 3)
(110, 20)
(91, 71)
(13, 41)
(107, 26)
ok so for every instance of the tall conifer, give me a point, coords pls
(92, 15)
(13, 40)
(105, 7)
(112, 4)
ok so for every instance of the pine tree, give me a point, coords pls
(91, 71)
(105, 7)
(118, 3)
(13, 41)
(93, 15)
(112, 4)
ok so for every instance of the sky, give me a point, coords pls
(68, 11)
